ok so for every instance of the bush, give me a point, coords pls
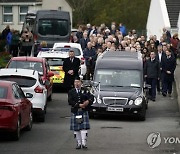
(2, 45)
(4, 58)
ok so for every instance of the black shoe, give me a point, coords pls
(153, 99)
(84, 146)
(78, 147)
(164, 94)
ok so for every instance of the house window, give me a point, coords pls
(7, 14)
(22, 13)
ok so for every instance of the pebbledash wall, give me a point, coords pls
(157, 18)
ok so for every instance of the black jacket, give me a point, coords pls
(152, 69)
(68, 65)
(74, 99)
(162, 57)
(169, 65)
(84, 42)
(87, 54)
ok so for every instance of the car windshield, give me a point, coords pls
(22, 81)
(3, 92)
(67, 49)
(118, 78)
(27, 65)
(55, 62)
(53, 27)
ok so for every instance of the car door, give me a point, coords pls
(49, 79)
(26, 103)
(40, 82)
(23, 106)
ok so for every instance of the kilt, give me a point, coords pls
(84, 125)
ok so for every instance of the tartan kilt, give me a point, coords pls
(84, 125)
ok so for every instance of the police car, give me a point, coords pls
(56, 56)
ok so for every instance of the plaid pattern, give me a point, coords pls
(84, 125)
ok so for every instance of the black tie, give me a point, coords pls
(78, 91)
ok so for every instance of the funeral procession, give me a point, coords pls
(89, 76)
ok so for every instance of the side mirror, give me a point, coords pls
(50, 74)
(46, 83)
(87, 83)
(29, 95)
(95, 84)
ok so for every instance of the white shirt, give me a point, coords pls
(71, 59)
(160, 55)
(77, 90)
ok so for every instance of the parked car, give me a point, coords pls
(31, 84)
(118, 85)
(35, 63)
(15, 109)
(56, 56)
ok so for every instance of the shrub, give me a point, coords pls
(4, 58)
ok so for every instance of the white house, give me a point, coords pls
(14, 11)
(163, 14)
(157, 18)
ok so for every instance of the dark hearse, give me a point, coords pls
(118, 85)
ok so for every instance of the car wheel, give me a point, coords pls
(16, 134)
(142, 115)
(41, 117)
(146, 105)
(92, 116)
(29, 126)
(45, 109)
(49, 98)
(147, 101)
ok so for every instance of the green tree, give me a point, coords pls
(133, 13)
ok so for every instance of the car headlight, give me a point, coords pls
(138, 101)
(131, 102)
(99, 100)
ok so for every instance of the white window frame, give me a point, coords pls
(20, 14)
(4, 14)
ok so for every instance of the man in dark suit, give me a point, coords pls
(89, 55)
(159, 56)
(80, 100)
(83, 41)
(152, 72)
(168, 68)
(71, 67)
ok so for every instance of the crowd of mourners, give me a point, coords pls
(17, 43)
(159, 56)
